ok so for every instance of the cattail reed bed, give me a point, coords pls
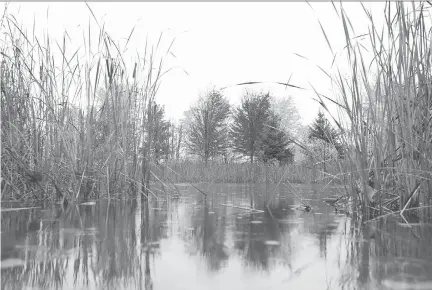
(215, 172)
(77, 123)
(74, 122)
(387, 116)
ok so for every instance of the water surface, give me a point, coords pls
(194, 242)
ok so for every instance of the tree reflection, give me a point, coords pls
(98, 243)
(255, 230)
(112, 244)
(210, 236)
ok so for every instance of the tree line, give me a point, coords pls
(257, 130)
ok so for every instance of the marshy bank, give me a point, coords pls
(80, 124)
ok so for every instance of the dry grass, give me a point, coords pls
(74, 124)
(389, 119)
(215, 172)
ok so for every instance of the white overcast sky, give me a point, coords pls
(219, 43)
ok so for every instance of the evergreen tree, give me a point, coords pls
(160, 133)
(322, 130)
(247, 130)
(274, 145)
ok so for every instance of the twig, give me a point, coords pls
(381, 216)
(205, 194)
(292, 191)
(154, 175)
(241, 207)
(411, 197)
(277, 185)
(178, 191)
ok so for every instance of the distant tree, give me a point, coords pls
(206, 127)
(160, 133)
(322, 130)
(247, 130)
(175, 140)
(286, 110)
(274, 145)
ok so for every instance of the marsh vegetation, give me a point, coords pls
(82, 128)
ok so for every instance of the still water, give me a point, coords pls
(192, 242)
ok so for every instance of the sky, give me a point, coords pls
(219, 44)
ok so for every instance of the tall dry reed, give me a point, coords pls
(386, 117)
(215, 172)
(74, 123)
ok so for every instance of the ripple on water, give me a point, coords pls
(396, 285)
(11, 263)
(88, 203)
(291, 221)
(271, 243)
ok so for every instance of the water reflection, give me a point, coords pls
(210, 243)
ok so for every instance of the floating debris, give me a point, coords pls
(153, 244)
(296, 221)
(79, 232)
(272, 243)
(91, 230)
(88, 203)
(410, 224)
(33, 248)
(17, 208)
(303, 207)
(332, 200)
(241, 207)
(427, 285)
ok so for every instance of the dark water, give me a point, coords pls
(196, 243)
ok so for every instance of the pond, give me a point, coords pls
(191, 242)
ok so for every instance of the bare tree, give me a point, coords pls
(286, 110)
(160, 133)
(175, 140)
(206, 125)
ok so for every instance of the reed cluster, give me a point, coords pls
(387, 117)
(74, 123)
(217, 172)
